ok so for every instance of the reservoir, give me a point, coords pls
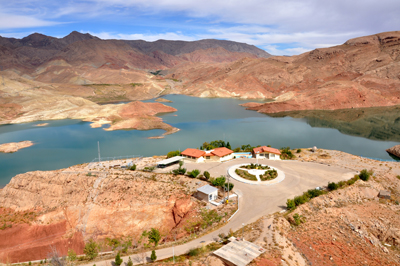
(364, 132)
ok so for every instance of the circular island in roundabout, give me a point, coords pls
(256, 174)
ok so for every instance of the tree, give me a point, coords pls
(194, 173)
(130, 263)
(228, 145)
(206, 175)
(218, 182)
(290, 205)
(154, 236)
(153, 256)
(91, 250)
(118, 260)
(173, 154)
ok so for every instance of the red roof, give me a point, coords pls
(193, 153)
(266, 149)
(221, 152)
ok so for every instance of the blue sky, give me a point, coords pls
(281, 27)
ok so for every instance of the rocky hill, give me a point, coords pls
(76, 49)
(66, 208)
(362, 72)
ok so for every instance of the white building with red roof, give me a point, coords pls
(265, 152)
(215, 155)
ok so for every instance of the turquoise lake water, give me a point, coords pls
(69, 142)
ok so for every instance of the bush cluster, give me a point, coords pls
(173, 154)
(286, 153)
(365, 174)
(291, 204)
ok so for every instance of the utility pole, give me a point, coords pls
(227, 200)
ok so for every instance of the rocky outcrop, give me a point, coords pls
(395, 150)
(71, 206)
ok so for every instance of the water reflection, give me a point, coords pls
(380, 123)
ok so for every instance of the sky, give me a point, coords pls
(280, 27)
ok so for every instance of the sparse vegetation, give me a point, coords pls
(298, 151)
(149, 168)
(133, 167)
(136, 84)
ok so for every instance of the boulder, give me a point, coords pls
(395, 150)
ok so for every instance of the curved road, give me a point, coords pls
(256, 201)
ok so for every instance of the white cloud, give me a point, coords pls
(9, 21)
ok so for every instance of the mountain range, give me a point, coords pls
(363, 72)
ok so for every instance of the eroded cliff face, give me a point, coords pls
(71, 207)
(363, 72)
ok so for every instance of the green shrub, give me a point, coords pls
(290, 205)
(313, 193)
(218, 182)
(230, 186)
(113, 243)
(332, 186)
(71, 255)
(179, 171)
(341, 184)
(286, 153)
(30, 263)
(206, 175)
(365, 174)
(398, 176)
(91, 250)
(133, 167)
(298, 219)
(301, 199)
(193, 252)
(194, 173)
(118, 260)
(173, 154)
(298, 151)
(153, 256)
(149, 169)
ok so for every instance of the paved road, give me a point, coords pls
(257, 201)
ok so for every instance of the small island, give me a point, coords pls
(15, 146)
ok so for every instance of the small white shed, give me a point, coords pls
(207, 193)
